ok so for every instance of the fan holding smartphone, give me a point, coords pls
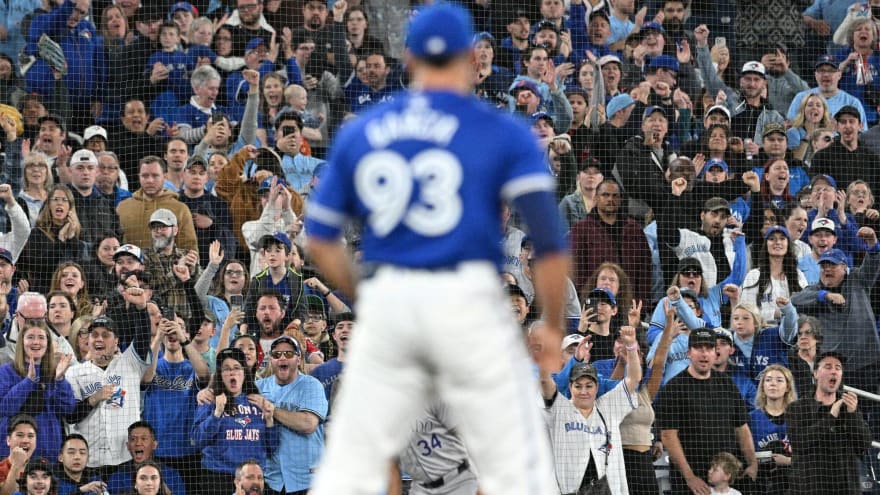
(599, 309)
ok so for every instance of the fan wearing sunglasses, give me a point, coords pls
(300, 411)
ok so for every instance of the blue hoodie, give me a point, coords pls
(228, 440)
(83, 50)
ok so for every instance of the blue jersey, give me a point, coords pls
(290, 467)
(327, 374)
(766, 431)
(426, 174)
(170, 406)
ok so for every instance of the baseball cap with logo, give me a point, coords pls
(524, 84)
(723, 333)
(440, 32)
(581, 370)
(754, 68)
(717, 163)
(130, 250)
(285, 339)
(84, 156)
(94, 131)
(718, 108)
(834, 256)
(570, 340)
(823, 224)
(6, 256)
(825, 60)
(652, 26)
(102, 322)
(164, 216)
(701, 336)
(182, 6)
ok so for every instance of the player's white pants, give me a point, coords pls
(449, 333)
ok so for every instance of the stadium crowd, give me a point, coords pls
(165, 332)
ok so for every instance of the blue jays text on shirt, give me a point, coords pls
(772, 437)
(694, 249)
(117, 399)
(245, 411)
(589, 430)
(178, 383)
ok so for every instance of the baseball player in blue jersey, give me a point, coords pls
(426, 175)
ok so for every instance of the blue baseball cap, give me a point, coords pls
(440, 31)
(824, 177)
(825, 60)
(667, 62)
(267, 184)
(606, 294)
(484, 36)
(253, 44)
(7, 256)
(278, 237)
(777, 228)
(535, 117)
(652, 26)
(833, 255)
(717, 162)
(182, 6)
(654, 108)
(618, 103)
(524, 84)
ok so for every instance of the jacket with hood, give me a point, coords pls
(134, 217)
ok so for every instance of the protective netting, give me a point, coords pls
(714, 166)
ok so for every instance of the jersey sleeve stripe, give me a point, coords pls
(322, 214)
(526, 184)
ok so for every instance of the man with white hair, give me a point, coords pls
(191, 118)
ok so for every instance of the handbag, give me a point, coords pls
(600, 485)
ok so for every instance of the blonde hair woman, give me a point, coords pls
(767, 423)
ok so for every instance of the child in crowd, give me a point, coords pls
(297, 98)
(725, 470)
(178, 64)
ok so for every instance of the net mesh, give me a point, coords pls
(714, 160)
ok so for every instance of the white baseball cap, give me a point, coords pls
(571, 340)
(608, 58)
(164, 216)
(84, 156)
(755, 67)
(93, 131)
(823, 223)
